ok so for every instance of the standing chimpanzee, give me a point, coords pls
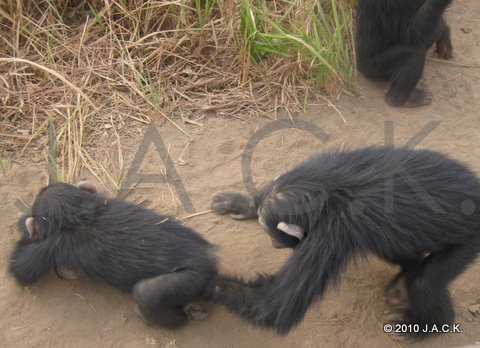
(76, 230)
(414, 208)
(392, 40)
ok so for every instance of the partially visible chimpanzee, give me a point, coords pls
(76, 230)
(392, 40)
(414, 208)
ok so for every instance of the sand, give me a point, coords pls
(84, 313)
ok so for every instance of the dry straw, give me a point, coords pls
(92, 65)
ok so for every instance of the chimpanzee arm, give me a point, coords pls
(29, 261)
(281, 300)
(426, 21)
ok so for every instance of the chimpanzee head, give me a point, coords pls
(56, 207)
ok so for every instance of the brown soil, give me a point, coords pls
(83, 313)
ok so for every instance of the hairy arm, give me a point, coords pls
(426, 21)
(29, 261)
(281, 300)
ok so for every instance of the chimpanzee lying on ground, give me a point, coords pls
(76, 230)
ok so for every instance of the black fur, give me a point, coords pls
(397, 203)
(119, 243)
(392, 40)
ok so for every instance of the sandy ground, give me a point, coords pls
(83, 313)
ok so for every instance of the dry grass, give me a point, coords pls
(106, 67)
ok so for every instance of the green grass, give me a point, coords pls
(318, 34)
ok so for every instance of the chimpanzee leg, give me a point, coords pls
(383, 64)
(396, 293)
(238, 205)
(429, 299)
(161, 299)
(405, 266)
(403, 66)
(404, 79)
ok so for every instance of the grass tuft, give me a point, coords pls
(100, 68)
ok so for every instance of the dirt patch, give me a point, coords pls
(83, 313)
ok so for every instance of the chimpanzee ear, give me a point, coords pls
(291, 230)
(31, 228)
(87, 186)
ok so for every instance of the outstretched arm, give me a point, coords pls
(281, 300)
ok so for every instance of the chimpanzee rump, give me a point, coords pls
(75, 230)
(392, 40)
(414, 208)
